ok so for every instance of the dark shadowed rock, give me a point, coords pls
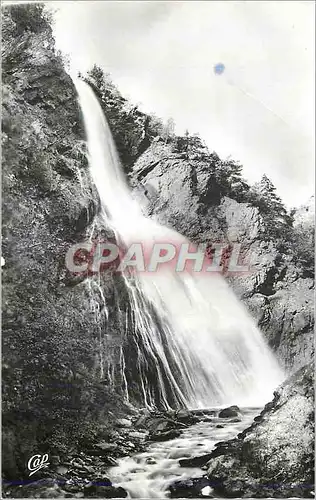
(100, 491)
(190, 488)
(195, 461)
(203, 413)
(186, 417)
(165, 436)
(231, 411)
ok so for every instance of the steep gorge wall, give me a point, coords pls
(176, 188)
(62, 335)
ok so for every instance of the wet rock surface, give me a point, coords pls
(196, 461)
(232, 411)
(191, 488)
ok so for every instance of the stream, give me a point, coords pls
(148, 474)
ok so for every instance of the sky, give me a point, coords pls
(259, 111)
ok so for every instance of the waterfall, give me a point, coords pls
(204, 346)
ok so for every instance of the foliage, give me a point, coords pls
(277, 221)
(303, 245)
(35, 18)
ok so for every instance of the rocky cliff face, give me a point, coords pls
(274, 457)
(177, 189)
(62, 334)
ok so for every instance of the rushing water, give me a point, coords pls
(205, 347)
(148, 475)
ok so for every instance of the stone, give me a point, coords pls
(54, 459)
(231, 411)
(186, 417)
(206, 492)
(137, 435)
(109, 461)
(99, 491)
(108, 447)
(165, 436)
(141, 421)
(123, 422)
(199, 461)
(190, 488)
(62, 469)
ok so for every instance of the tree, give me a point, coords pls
(228, 174)
(278, 222)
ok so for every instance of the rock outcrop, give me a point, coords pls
(180, 190)
(274, 457)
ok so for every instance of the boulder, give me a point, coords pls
(165, 436)
(123, 422)
(186, 417)
(191, 488)
(106, 447)
(231, 411)
(195, 461)
(99, 491)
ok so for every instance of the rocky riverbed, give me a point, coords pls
(150, 455)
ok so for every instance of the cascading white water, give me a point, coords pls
(206, 348)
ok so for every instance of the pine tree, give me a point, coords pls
(278, 222)
(229, 175)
